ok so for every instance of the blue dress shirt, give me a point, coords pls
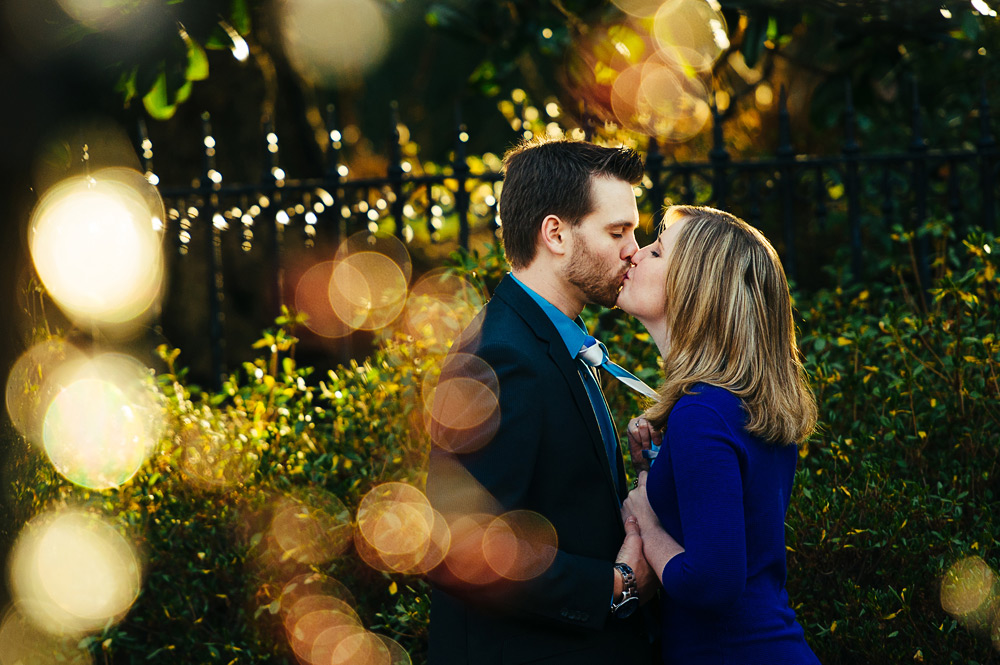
(573, 334)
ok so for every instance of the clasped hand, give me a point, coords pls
(638, 516)
(641, 436)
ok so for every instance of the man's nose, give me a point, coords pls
(630, 249)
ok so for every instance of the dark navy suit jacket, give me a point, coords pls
(544, 454)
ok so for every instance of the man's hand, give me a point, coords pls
(631, 553)
(641, 436)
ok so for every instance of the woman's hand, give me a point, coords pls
(641, 436)
(637, 505)
(658, 546)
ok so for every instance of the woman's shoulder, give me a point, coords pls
(704, 394)
(724, 403)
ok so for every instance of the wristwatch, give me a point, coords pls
(630, 593)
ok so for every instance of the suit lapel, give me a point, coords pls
(521, 303)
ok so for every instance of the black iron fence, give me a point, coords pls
(815, 209)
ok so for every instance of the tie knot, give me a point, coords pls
(592, 352)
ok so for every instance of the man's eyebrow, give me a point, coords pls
(624, 223)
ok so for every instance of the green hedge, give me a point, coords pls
(898, 484)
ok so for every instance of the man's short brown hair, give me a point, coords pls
(553, 177)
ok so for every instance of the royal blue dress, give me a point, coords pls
(722, 493)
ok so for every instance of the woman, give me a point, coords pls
(712, 294)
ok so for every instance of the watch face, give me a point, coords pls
(628, 606)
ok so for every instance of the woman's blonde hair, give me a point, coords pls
(729, 321)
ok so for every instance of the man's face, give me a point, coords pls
(604, 242)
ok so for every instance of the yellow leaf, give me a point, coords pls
(863, 295)
(393, 589)
(975, 545)
(845, 491)
(843, 341)
(833, 626)
(933, 402)
(903, 524)
(970, 359)
(890, 616)
(922, 434)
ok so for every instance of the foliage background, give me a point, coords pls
(898, 484)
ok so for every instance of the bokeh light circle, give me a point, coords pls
(312, 298)
(967, 587)
(103, 423)
(466, 560)
(520, 545)
(334, 40)
(367, 290)
(95, 249)
(32, 384)
(441, 306)
(656, 99)
(313, 527)
(690, 33)
(22, 643)
(463, 403)
(639, 8)
(397, 654)
(73, 573)
(381, 243)
(314, 584)
(399, 530)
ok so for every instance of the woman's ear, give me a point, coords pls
(555, 236)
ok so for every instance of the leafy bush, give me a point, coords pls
(900, 480)
(897, 485)
(202, 509)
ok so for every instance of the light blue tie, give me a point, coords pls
(595, 354)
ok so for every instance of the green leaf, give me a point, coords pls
(197, 64)
(239, 16)
(156, 100)
(126, 85)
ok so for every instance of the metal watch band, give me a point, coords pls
(628, 578)
(630, 593)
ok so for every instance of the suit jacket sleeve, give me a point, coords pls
(509, 471)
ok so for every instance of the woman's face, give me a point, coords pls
(644, 292)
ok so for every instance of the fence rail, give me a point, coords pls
(807, 205)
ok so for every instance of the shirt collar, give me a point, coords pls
(573, 333)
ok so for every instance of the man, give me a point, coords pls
(568, 216)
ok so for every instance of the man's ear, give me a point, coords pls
(555, 235)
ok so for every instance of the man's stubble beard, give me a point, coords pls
(587, 272)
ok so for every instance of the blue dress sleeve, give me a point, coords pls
(705, 455)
